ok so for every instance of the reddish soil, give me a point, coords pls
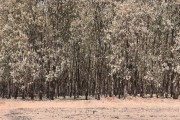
(104, 109)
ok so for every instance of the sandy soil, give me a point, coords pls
(105, 109)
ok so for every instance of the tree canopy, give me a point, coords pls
(87, 48)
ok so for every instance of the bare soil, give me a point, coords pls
(104, 109)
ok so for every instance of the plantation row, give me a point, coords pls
(51, 48)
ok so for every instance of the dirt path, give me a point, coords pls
(105, 109)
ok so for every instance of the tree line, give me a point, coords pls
(53, 48)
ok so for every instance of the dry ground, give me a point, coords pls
(105, 109)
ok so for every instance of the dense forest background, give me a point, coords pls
(52, 48)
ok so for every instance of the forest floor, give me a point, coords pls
(105, 109)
